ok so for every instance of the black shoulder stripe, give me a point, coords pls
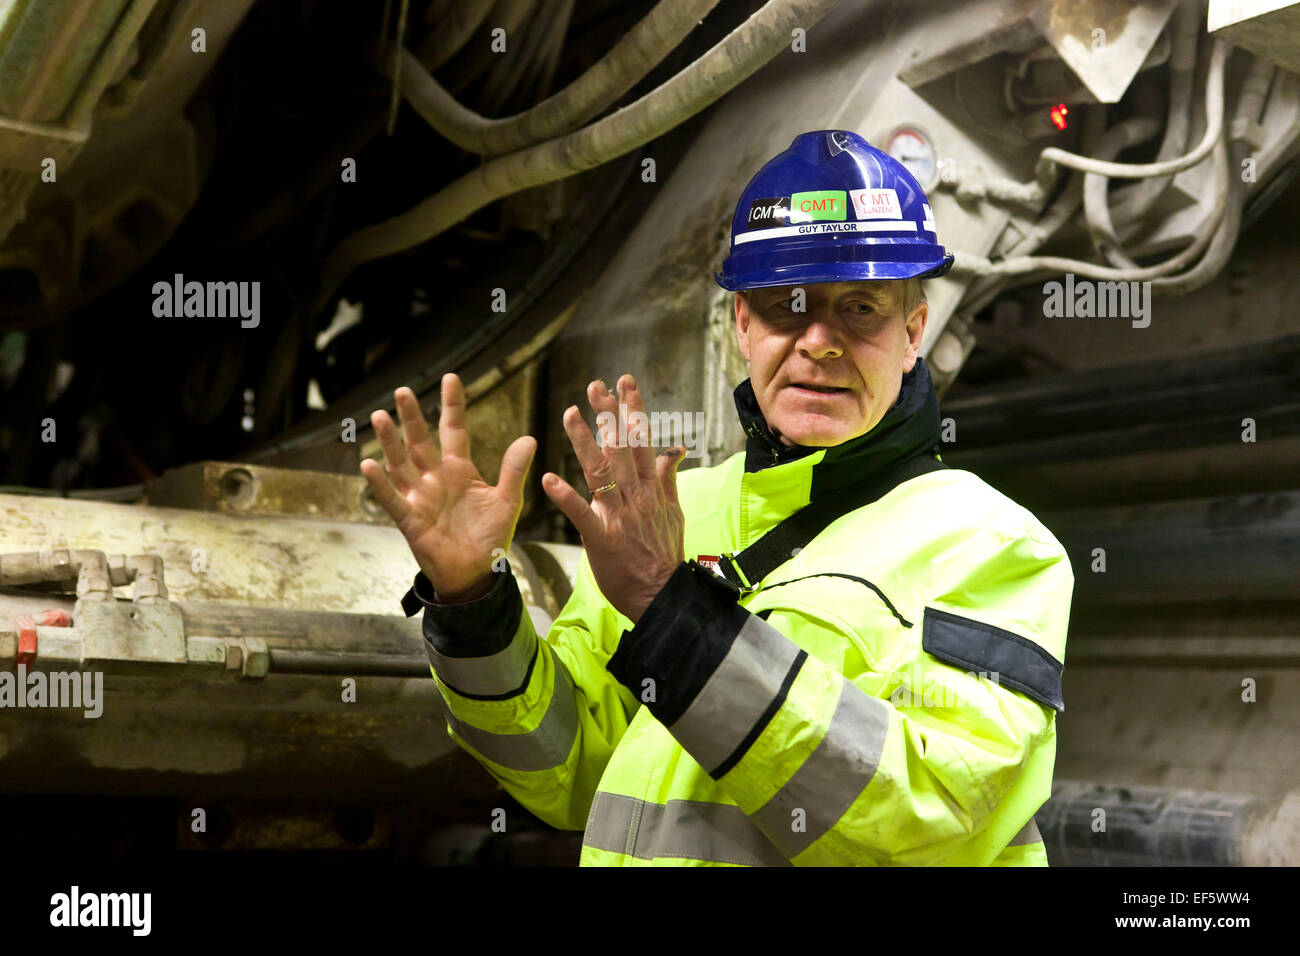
(973, 645)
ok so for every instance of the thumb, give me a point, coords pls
(666, 467)
(514, 467)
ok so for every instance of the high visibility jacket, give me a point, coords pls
(886, 697)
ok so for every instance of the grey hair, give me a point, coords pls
(913, 295)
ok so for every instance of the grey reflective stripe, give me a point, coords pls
(1027, 835)
(736, 694)
(546, 746)
(496, 674)
(835, 773)
(681, 829)
(541, 620)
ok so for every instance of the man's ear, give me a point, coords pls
(915, 332)
(741, 307)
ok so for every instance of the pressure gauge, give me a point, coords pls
(915, 150)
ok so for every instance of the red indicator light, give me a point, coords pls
(1059, 112)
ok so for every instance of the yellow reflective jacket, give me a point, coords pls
(885, 697)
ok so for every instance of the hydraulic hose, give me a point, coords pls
(1182, 68)
(738, 55)
(1249, 107)
(473, 61)
(636, 54)
(509, 73)
(1254, 92)
(1213, 127)
(1020, 265)
(1096, 210)
(452, 33)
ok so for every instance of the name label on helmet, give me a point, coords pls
(876, 204)
(772, 211)
(818, 205)
(826, 228)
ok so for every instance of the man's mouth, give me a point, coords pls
(822, 389)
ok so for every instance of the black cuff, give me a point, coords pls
(419, 595)
(679, 641)
(476, 628)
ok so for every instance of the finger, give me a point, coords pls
(404, 474)
(514, 468)
(383, 491)
(667, 465)
(451, 419)
(643, 456)
(621, 467)
(596, 470)
(415, 430)
(575, 507)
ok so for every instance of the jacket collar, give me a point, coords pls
(909, 428)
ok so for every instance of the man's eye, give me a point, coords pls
(861, 308)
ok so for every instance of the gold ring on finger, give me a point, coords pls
(608, 487)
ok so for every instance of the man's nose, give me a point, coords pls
(820, 337)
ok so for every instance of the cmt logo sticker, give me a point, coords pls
(765, 213)
(818, 205)
(710, 561)
(876, 204)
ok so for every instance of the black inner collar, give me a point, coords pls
(909, 428)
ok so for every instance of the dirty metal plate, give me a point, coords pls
(237, 488)
(1268, 28)
(1103, 41)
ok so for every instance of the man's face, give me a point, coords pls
(829, 373)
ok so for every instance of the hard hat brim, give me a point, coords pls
(809, 273)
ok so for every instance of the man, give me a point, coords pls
(861, 664)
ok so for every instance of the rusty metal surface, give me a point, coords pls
(195, 698)
(235, 488)
(211, 557)
(288, 736)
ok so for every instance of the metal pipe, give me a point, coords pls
(105, 68)
(350, 664)
(1138, 405)
(1193, 551)
(1088, 824)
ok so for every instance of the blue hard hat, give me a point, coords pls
(831, 208)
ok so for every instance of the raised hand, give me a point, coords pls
(633, 531)
(455, 522)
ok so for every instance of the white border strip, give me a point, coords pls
(829, 228)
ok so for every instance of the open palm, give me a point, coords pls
(455, 523)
